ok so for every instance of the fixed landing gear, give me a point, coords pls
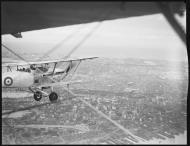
(37, 96)
(53, 96)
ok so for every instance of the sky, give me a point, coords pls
(148, 37)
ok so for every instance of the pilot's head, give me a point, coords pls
(32, 67)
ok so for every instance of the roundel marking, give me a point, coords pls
(8, 81)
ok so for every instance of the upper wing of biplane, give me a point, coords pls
(23, 16)
(44, 62)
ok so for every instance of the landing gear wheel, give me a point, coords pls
(53, 96)
(37, 96)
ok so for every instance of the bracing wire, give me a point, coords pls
(23, 59)
(71, 35)
(88, 34)
(14, 53)
(61, 43)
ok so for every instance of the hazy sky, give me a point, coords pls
(149, 37)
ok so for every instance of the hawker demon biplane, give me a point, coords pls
(31, 75)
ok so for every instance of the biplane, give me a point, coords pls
(18, 17)
(31, 75)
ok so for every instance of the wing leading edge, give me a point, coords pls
(45, 62)
(27, 16)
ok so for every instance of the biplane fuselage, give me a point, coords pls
(17, 79)
(25, 79)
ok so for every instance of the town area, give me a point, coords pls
(147, 97)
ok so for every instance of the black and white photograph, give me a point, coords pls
(94, 72)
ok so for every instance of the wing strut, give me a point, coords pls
(173, 22)
(75, 69)
(54, 68)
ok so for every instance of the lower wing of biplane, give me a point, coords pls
(39, 76)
